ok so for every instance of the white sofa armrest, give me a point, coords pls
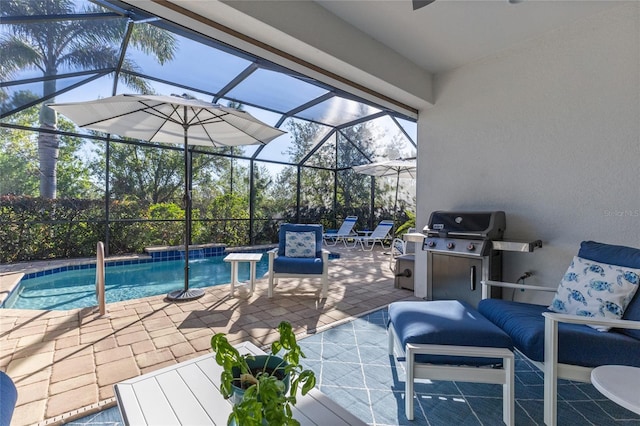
(576, 319)
(273, 253)
(551, 321)
(486, 287)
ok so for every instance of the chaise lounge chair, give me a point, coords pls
(379, 235)
(332, 237)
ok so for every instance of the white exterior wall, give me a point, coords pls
(549, 132)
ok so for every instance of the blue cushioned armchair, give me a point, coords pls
(564, 346)
(299, 255)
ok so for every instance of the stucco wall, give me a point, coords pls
(549, 132)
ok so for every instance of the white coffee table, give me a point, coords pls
(619, 383)
(234, 259)
(188, 393)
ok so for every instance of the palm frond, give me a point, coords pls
(154, 41)
(16, 54)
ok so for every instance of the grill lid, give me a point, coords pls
(479, 225)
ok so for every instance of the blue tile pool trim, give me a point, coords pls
(194, 253)
(161, 256)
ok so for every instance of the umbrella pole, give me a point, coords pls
(187, 211)
(186, 294)
(395, 205)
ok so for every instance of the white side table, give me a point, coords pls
(234, 259)
(619, 383)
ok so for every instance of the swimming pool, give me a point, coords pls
(76, 288)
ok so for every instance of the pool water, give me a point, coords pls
(77, 289)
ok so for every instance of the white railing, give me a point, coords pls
(100, 295)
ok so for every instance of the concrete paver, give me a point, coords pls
(58, 404)
(67, 361)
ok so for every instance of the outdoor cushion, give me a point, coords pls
(595, 289)
(446, 322)
(294, 227)
(300, 244)
(616, 255)
(297, 265)
(611, 254)
(577, 344)
(8, 398)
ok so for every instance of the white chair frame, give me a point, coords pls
(324, 277)
(400, 247)
(416, 370)
(551, 368)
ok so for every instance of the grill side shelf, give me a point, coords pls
(523, 246)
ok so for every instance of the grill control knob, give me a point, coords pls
(431, 243)
(471, 247)
(451, 246)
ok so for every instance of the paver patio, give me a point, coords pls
(65, 363)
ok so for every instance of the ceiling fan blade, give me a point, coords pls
(417, 4)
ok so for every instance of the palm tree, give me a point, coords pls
(49, 46)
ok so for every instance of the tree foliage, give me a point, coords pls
(19, 160)
(146, 186)
(52, 47)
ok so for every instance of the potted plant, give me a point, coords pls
(264, 387)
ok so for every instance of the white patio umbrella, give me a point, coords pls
(400, 168)
(176, 120)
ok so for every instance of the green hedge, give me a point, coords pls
(39, 229)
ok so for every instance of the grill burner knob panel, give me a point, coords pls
(458, 246)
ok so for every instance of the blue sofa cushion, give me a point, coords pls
(577, 344)
(293, 227)
(608, 253)
(632, 313)
(8, 398)
(616, 255)
(446, 322)
(297, 265)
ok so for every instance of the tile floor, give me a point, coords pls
(353, 368)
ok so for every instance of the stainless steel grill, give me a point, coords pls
(460, 254)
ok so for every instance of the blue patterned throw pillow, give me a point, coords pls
(300, 244)
(597, 290)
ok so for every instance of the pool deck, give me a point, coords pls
(65, 363)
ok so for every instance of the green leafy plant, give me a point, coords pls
(409, 223)
(267, 399)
